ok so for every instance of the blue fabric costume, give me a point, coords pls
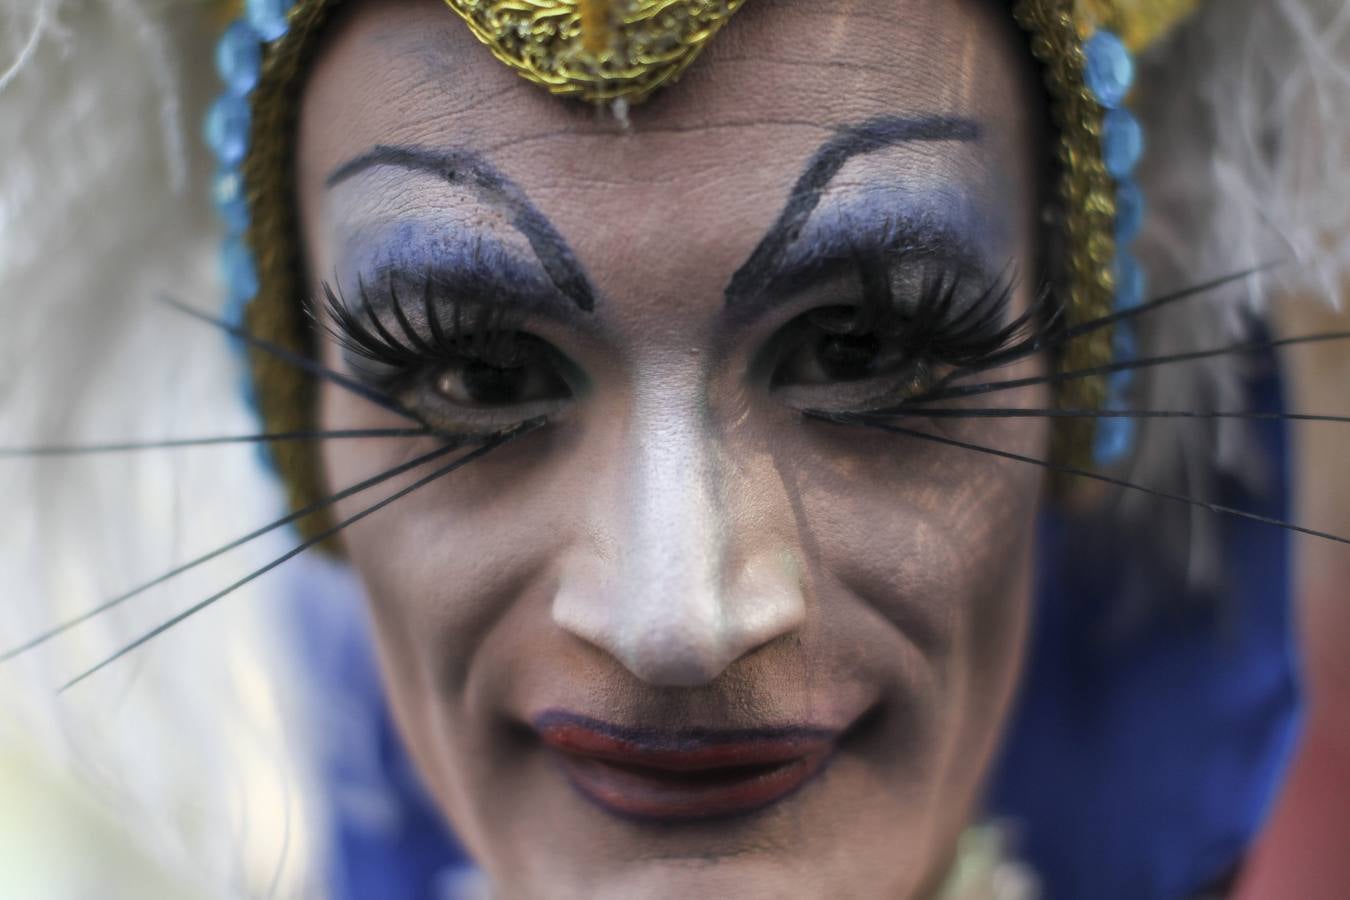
(1138, 767)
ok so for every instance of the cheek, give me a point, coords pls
(932, 545)
(921, 524)
(442, 564)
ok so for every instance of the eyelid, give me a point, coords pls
(463, 263)
(835, 235)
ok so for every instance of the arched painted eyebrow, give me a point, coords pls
(464, 167)
(747, 294)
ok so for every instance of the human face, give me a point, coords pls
(683, 639)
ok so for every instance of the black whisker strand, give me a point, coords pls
(493, 443)
(305, 364)
(1218, 509)
(1158, 303)
(61, 628)
(989, 387)
(175, 443)
(1053, 338)
(1032, 413)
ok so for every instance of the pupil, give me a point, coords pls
(848, 357)
(491, 385)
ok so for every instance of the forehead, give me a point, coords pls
(707, 164)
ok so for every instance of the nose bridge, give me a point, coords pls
(682, 597)
(674, 542)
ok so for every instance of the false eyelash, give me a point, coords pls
(477, 331)
(938, 325)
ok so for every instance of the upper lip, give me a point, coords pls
(684, 750)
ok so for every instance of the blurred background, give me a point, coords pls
(1304, 851)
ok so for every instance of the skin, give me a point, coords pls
(679, 547)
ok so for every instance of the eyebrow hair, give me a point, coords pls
(745, 293)
(469, 168)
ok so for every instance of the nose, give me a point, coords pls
(679, 597)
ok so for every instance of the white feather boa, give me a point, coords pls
(103, 208)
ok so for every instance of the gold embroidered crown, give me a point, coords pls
(597, 49)
(608, 49)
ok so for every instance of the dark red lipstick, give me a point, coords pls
(683, 775)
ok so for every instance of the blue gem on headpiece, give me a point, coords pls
(1124, 349)
(1115, 435)
(268, 17)
(239, 58)
(1122, 143)
(1114, 438)
(1131, 282)
(227, 192)
(1109, 75)
(241, 278)
(1129, 213)
(227, 126)
(1109, 72)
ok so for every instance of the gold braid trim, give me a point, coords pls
(286, 397)
(1139, 23)
(1087, 207)
(641, 58)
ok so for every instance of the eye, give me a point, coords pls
(492, 386)
(479, 383)
(823, 358)
(833, 359)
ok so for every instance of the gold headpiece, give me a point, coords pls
(608, 49)
(1139, 23)
(603, 50)
(597, 49)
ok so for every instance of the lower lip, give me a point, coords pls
(685, 778)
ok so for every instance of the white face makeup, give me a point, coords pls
(684, 638)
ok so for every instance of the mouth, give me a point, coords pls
(685, 775)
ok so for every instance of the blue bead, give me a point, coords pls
(268, 17)
(1131, 283)
(1113, 441)
(239, 58)
(1109, 72)
(227, 127)
(241, 279)
(1118, 384)
(1124, 348)
(1122, 143)
(227, 192)
(1129, 212)
(1124, 343)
